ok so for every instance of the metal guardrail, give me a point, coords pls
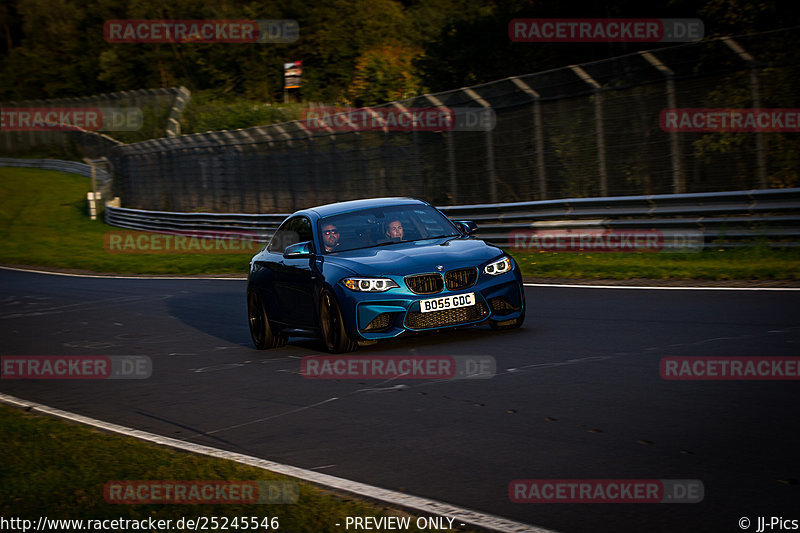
(101, 180)
(259, 227)
(73, 167)
(767, 214)
(771, 214)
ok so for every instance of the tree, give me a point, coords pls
(384, 74)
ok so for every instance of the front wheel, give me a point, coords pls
(333, 333)
(260, 331)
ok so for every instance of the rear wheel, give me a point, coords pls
(333, 333)
(260, 331)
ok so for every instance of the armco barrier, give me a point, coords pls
(72, 167)
(262, 226)
(770, 214)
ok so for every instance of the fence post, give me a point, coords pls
(678, 180)
(537, 134)
(289, 160)
(174, 121)
(598, 120)
(265, 185)
(92, 195)
(761, 160)
(415, 151)
(451, 155)
(310, 195)
(490, 166)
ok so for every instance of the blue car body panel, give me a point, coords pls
(290, 287)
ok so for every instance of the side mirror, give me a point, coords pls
(301, 249)
(468, 227)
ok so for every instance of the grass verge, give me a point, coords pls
(751, 263)
(57, 469)
(44, 222)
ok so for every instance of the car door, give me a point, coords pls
(293, 277)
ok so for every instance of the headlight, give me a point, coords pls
(501, 266)
(369, 284)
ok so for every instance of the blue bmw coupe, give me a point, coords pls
(367, 270)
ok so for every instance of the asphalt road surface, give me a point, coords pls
(577, 395)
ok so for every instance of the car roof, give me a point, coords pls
(354, 205)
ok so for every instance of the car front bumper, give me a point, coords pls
(376, 316)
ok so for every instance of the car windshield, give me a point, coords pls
(382, 226)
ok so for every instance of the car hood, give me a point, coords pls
(415, 257)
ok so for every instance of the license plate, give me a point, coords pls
(447, 302)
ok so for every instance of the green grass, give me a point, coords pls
(751, 263)
(58, 469)
(207, 111)
(44, 222)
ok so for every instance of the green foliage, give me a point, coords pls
(384, 74)
(574, 147)
(51, 228)
(59, 469)
(782, 150)
(208, 112)
(55, 48)
(758, 262)
(44, 222)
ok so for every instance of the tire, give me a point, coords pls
(334, 335)
(260, 331)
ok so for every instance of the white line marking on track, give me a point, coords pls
(299, 409)
(407, 501)
(564, 285)
(112, 276)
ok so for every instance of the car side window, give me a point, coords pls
(294, 230)
(302, 227)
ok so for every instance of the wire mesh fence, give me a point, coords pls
(590, 130)
(46, 126)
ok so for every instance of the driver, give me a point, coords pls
(330, 237)
(394, 230)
